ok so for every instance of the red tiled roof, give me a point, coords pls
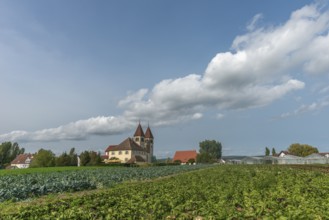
(184, 156)
(127, 144)
(148, 133)
(110, 147)
(21, 158)
(139, 131)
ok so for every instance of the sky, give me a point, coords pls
(83, 74)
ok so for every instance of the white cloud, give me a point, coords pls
(78, 130)
(253, 23)
(257, 72)
(315, 106)
(261, 68)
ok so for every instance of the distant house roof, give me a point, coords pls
(139, 131)
(22, 159)
(324, 154)
(148, 133)
(127, 144)
(110, 147)
(283, 153)
(184, 156)
(136, 159)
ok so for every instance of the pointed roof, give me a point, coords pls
(127, 144)
(148, 133)
(22, 159)
(139, 131)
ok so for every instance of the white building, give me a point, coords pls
(22, 161)
(138, 149)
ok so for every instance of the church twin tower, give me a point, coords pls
(145, 140)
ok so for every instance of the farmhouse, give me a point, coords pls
(22, 161)
(185, 156)
(138, 149)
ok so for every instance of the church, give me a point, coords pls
(138, 149)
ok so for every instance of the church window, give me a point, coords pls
(136, 139)
(120, 152)
(113, 153)
(142, 139)
(127, 152)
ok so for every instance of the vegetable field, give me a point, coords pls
(21, 187)
(220, 192)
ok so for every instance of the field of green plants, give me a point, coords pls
(218, 192)
(29, 183)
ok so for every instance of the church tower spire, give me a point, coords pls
(139, 135)
(149, 143)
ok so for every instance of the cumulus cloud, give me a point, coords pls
(261, 67)
(78, 130)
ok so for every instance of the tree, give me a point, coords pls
(210, 151)
(63, 160)
(84, 158)
(8, 152)
(95, 158)
(273, 152)
(73, 157)
(67, 159)
(302, 150)
(44, 158)
(267, 151)
(90, 158)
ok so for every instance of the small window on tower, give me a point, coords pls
(142, 139)
(127, 152)
(136, 139)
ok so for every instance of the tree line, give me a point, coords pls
(8, 152)
(46, 158)
(297, 149)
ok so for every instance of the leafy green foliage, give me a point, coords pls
(210, 151)
(8, 152)
(37, 184)
(90, 158)
(302, 150)
(44, 158)
(267, 151)
(67, 159)
(273, 152)
(220, 192)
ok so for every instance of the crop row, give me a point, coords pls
(221, 192)
(20, 187)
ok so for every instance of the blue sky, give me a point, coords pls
(250, 74)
